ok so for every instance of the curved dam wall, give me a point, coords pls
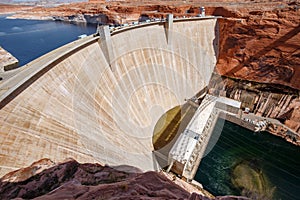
(94, 109)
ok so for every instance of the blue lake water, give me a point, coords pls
(29, 39)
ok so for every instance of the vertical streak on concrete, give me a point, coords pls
(106, 43)
(169, 29)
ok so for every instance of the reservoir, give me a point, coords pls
(30, 39)
(258, 165)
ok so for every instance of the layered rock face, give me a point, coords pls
(261, 45)
(7, 9)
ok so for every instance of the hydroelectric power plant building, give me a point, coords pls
(99, 98)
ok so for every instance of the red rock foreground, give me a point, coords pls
(71, 180)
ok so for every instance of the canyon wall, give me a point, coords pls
(261, 45)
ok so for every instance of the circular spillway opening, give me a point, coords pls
(171, 124)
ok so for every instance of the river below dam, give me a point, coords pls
(257, 165)
(30, 39)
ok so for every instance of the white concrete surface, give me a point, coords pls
(83, 107)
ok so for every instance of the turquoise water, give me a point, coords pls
(29, 39)
(278, 160)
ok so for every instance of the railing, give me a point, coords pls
(129, 26)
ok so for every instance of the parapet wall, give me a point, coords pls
(7, 61)
(92, 108)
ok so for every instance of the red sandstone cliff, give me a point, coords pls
(262, 45)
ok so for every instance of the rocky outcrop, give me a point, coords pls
(71, 180)
(7, 61)
(261, 44)
(83, 18)
(45, 179)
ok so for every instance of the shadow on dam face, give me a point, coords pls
(168, 128)
(103, 110)
(170, 124)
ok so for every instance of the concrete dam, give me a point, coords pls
(99, 98)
